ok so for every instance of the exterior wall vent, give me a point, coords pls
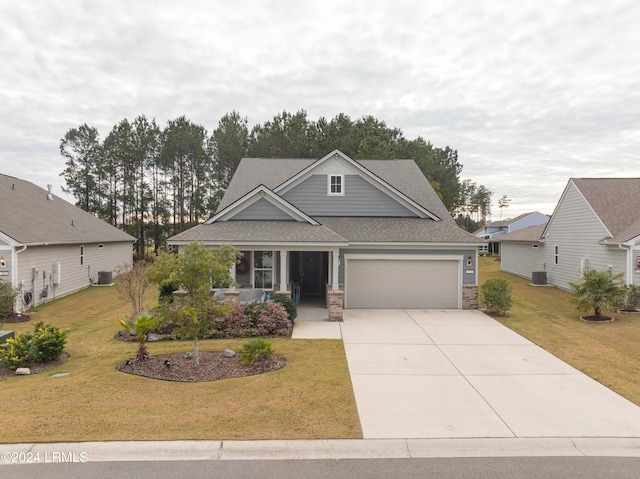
(539, 278)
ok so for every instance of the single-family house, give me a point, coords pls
(360, 233)
(49, 247)
(595, 225)
(491, 231)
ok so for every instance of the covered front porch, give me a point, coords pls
(309, 276)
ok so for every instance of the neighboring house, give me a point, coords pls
(363, 234)
(49, 247)
(596, 225)
(493, 230)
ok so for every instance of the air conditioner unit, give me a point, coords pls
(539, 277)
(104, 277)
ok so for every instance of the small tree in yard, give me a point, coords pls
(8, 295)
(132, 283)
(196, 269)
(597, 290)
(495, 294)
(139, 326)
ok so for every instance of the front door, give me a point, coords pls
(311, 272)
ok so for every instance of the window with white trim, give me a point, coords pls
(263, 269)
(336, 185)
(81, 255)
(556, 254)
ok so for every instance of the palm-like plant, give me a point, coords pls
(139, 327)
(597, 290)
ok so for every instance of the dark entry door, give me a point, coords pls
(311, 272)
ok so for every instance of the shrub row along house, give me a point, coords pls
(359, 234)
(596, 225)
(49, 247)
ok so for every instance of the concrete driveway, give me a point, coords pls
(461, 374)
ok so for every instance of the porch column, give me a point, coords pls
(232, 272)
(335, 266)
(283, 270)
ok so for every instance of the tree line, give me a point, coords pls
(156, 181)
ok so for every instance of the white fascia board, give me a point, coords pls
(268, 245)
(9, 240)
(261, 192)
(413, 245)
(366, 174)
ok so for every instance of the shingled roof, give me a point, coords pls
(616, 201)
(29, 217)
(403, 175)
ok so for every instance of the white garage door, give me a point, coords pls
(402, 283)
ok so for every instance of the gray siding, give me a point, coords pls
(468, 279)
(576, 230)
(360, 199)
(262, 210)
(74, 276)
(521, 258)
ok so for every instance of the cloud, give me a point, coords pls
(529, 93)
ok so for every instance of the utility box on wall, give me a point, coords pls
(56, 272)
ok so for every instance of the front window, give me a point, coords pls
(263, 269)
(336, 185)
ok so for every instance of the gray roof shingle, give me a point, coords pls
(28, 217)
(616, 201)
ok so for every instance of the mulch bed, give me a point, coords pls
(597, 319)
(15, 318)
(213, 367)
(35, 368)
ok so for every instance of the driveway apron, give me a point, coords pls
(461, 374)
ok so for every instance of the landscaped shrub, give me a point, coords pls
(495, 294)
(289, 304)
(166, 290)
(253, 310)
(237, 323)
(632, 299)
(256, 350)
(273, 318)
(8, 295)
(45, 344)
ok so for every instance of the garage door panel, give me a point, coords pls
(391, 283)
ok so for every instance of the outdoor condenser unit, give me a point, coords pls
(104, 277)
(539, 277)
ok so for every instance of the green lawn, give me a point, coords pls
(608, 352)
(310, 398)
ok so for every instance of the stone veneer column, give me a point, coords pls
(335, 304)
(470, 297)
(232, 295)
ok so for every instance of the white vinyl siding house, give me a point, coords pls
(52, 247)
(594, 225)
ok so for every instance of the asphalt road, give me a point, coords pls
(441, 468)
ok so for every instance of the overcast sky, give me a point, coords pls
(530, 93)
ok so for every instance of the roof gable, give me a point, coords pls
(260, 194)
(614, 201)
(337, 162)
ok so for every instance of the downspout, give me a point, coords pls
(628, 274)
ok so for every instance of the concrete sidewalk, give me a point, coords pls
(78, 452)
(461, 374)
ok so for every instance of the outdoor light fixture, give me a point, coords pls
(3, 262)
(469, 259)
